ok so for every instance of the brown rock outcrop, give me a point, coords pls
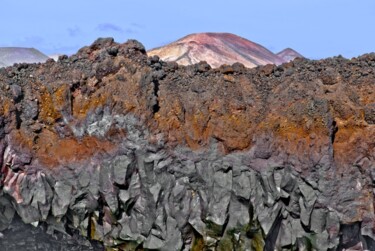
(139, 153)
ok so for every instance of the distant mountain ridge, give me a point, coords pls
(216, 49)
(55, 56)
(289, 54)
(12, 55)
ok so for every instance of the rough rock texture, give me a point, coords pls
(216, 49)
(289, 54)
(140, 154)
(22, 237)
(12, 55)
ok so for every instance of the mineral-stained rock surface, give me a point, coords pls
(140, 154)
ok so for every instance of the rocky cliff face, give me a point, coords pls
(109, 145)
(216, 49)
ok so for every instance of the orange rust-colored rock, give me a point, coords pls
(51, 151)
(192, 105)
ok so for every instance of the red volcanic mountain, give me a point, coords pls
(289, 54)
(216, 49)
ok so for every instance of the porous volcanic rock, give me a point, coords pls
(137, 153)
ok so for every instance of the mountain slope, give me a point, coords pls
(55, 56)
(12, 55)
(289, 54)
(216, 49)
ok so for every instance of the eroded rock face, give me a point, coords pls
(135, 153)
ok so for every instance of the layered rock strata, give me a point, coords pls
(137, 153)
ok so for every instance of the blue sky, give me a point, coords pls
(315, 28)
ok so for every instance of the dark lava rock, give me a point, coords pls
(16, 92)
(21, 236)
(370, 114)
